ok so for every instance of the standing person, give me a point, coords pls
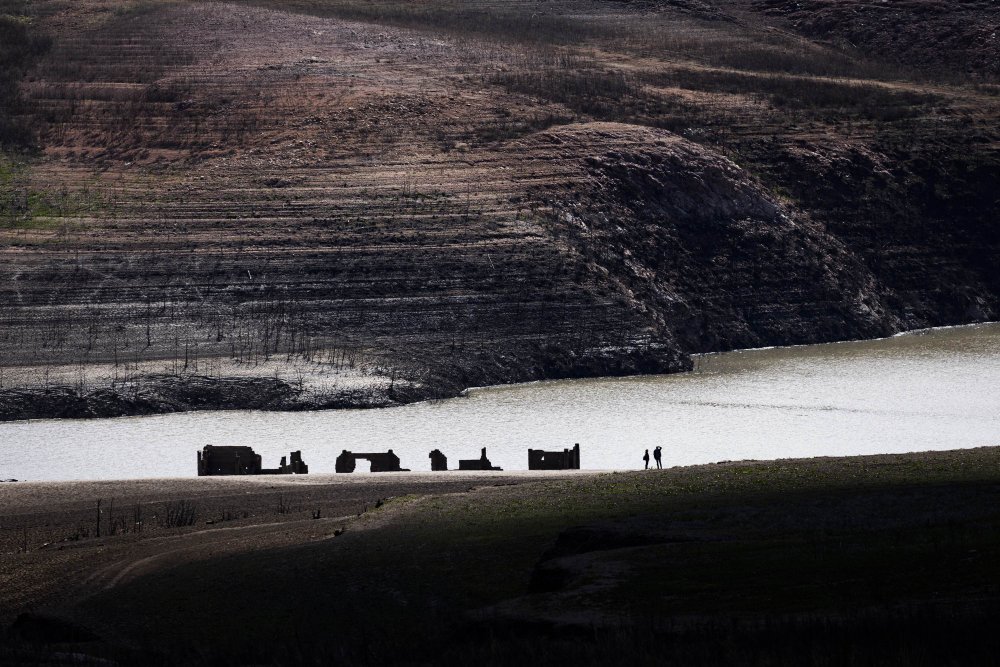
(645, 459)
(656, 455)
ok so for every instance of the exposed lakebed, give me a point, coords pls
(924, 390)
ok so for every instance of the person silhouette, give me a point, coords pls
(645, 459)
(656, 455)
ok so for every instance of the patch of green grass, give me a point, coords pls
(13, 190)
(23, 207)
(63, 203)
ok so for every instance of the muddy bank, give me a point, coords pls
(161, 394)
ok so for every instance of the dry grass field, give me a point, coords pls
(320, 203)
(888, 560)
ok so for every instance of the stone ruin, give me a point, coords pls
(214, 460)
(233, 460)
(294, 467)
(237, 460)
(439, 462)
(482, 463)
(381, 461)
(567, 459)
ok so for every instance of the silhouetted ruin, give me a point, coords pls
(214, 460)
(439, 462)
(238, 460)
(567, 459)
(381, 461)
(482, 463)
(295, 467)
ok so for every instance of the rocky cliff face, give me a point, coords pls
(715, 256)
(922, 219)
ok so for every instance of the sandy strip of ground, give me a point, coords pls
(30, 497)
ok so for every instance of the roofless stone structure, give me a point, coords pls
(240, 460)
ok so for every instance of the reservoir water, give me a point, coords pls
(926, 390)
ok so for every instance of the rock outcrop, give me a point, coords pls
(705, 247)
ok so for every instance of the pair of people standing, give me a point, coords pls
(656, 455)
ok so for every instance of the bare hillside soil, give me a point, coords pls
(328, 203)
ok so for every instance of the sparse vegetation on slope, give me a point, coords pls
(373, 203)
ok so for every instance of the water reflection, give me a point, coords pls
(921, 391)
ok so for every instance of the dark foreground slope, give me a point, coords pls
(325, 203)
(888, 560)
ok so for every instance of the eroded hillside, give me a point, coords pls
(329, 203)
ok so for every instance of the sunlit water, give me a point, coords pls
(936, 389)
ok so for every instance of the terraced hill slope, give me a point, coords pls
(328, 202)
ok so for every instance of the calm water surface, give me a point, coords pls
(937, 389)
